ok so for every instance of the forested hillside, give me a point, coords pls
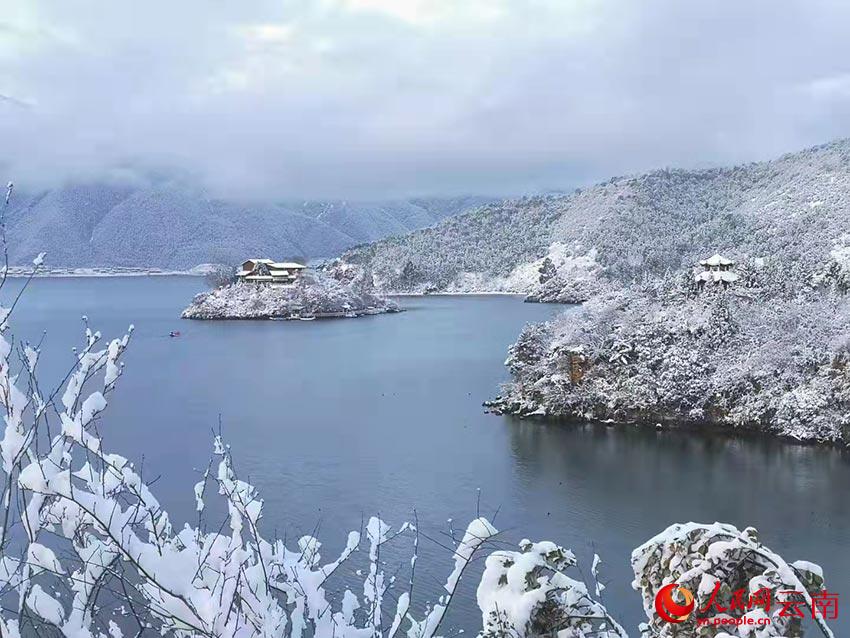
(769, 352)
(174, 226)
(796, 208)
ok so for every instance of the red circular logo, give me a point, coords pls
(668, 609)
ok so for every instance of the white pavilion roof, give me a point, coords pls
(717, 260)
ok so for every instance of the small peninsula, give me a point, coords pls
(759, 345)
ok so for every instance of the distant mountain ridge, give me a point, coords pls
(553, 248)
(172, 226)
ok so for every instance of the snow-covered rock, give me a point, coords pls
(315, 295)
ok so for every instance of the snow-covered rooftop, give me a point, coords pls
(285, 265)
(717, 260)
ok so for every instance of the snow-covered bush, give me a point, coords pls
(836, 274)
(528, 593)
(731, 576)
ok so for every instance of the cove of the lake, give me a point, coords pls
(340, 419)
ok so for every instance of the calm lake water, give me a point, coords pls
(337, 420)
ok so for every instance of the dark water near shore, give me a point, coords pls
(337, 420)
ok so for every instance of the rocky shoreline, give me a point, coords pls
(508, 405)
(201, 270)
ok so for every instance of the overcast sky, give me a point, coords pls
(379, 98)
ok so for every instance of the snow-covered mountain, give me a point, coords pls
(764, 350)
(796, 207)
(173, 226)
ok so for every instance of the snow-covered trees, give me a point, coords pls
(793, 208)
(220, 275)
(471, 249)
(769, 353)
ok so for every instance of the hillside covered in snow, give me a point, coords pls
(173, 226)
(768, 353)
(557, 248)
(761, 347)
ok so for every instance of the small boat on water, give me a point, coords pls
(308, 318)
(174, 333)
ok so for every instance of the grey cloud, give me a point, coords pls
(343, 98)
